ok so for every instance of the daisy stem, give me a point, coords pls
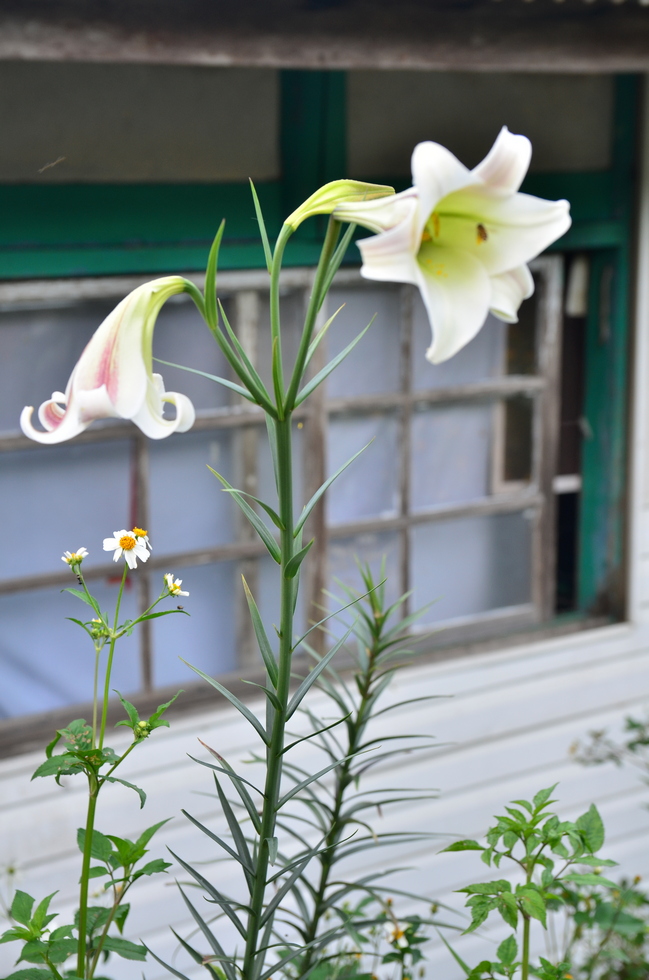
(94, 696)
(109, 665)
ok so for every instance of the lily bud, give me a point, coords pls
(327, 198)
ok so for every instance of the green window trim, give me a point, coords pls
(110, 229)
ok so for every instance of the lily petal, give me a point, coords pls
(508, 291)
(113, 378)
(506, 163)
(503, 232)
(381, 215)
(436, 173)
(456, 291)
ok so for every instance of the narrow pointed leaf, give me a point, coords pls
(210, 278)
(235, 828)
(216, 895)
(268, 255)
(274, 516)
(272, 697)
(293, 566)
(217, 840)
(313, 675)
(313, 346)
(210, 377)
(337, 257)
(272, 844)
(331, 366)
(325, 486)
(307, 782)
(262, 638)
(329, 616)
(338, 721)
(223, 958)
(249, 366)
(255, 520)
(234, 700)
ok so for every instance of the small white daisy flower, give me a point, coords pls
(128, 544)
(395, 934)
(142, 535)
(174, 586)
(74, 557)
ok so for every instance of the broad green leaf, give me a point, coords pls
(242, 708)
(254, 518)
(58, 765)
(101, 848)
(157, 866)
(592, 828)
(487, 887)
(325, 486)
(85, 597)
(140, 792)
(331, 366)
(292, 566)
(61, 949)
(543, 796)
(130, 710)
(147, 834)
(532, 902)
(154, 721)
(508, 908)
(463, 845)
(21, 907)
(96, 872)
(588, 879)
(130, 951)
(32, 974)
(262, 639)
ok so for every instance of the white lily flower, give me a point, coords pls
(127, 543)
(74, 557)
(174, 586)
(113, 378)
(462, 236)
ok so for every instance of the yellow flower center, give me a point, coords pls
(139, 532)
(75, 557)
(127, 542)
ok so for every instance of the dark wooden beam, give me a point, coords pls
(474, 35)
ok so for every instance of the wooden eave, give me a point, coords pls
(463, 35)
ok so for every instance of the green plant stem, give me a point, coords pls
(117, 901)
(525, 961)
(315, 302)
(94, 697)
(344, 776)
(85, 868)
(109, 665)
(274, 749)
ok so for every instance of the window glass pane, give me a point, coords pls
(451, 454)
(60, 499)
(188, 509)
(369, 487)
(471, 565)
(518, 439)
(38, 349)
(205, 638)
(480, 360)
(373, 365)
(47, 661)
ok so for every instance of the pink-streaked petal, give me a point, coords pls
(506, 164)
(69, 426)
(508, 291)
(436, 172)
(456, 291)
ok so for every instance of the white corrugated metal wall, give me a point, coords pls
(506, 723)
